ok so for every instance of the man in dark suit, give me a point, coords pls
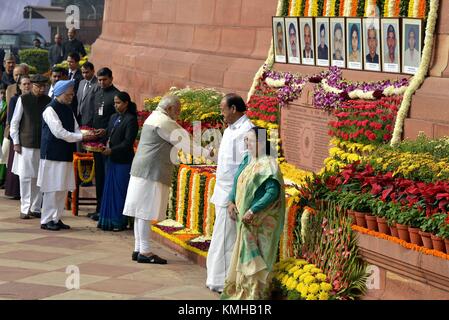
(86, 95)
(74, 74)
(73, 45)
(55, 54)
(104, 109)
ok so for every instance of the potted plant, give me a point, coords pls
(379, 209)
(427, 228)
(360, 204)
(439, 224)
(391, 214)
(343, 202)
(416, 218)
(444, 233)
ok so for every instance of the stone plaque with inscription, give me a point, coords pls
(304, 132)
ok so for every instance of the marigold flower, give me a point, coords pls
(314, 288)
(325, 286)
(311, 297)
(323, 296)
(309, 279)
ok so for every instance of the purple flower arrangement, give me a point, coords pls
(168, 229)
(322, 99)
(203, 246)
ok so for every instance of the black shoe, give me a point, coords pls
(91, 214)
(35, 214)
(50, 226)
(152, 259)
(24, 216)
(96, 217)
(134, 255)
(61, 225)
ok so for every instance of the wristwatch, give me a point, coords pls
(250, 211)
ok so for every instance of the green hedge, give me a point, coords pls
(37, 58)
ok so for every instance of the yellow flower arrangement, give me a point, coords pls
(296, 276)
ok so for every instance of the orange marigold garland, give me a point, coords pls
(355, 5)
(403, 243)
(324, 7)
(306, 8)
(397, 8)
(342, 8)
(422, 8)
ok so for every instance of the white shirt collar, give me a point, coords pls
(238, 123)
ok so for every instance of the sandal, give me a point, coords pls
(155, 259)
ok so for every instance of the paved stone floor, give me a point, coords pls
(34, 262)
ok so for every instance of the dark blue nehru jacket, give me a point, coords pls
(53, 148)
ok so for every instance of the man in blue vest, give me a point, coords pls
(60, 132)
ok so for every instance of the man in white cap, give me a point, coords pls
(60, 132)
(25, 131)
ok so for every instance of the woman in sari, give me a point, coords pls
(122, 132)
(257, 203)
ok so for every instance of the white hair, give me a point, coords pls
(168, 101)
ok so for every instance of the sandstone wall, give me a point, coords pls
(152, 45)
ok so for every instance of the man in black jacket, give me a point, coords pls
(55, 54)
(104, 109)
(74, 74)
(73, 45)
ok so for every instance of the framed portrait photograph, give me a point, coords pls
(338, 43)
(280, 49)
(354, 46)
(307, 41)
(411, 45)
(322, 42)
(371, 44)
(391, 45)
(292, 35)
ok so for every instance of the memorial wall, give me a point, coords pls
(152, 45)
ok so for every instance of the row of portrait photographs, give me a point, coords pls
(355, 43)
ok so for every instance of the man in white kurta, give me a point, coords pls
(151, 172)
(26, 134)
(230, 155)
(59, 136)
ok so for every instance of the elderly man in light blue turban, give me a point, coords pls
(60, 132)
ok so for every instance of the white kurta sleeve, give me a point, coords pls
(51, 118)
(15, 122)
(178, 137)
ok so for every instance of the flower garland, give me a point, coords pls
(332, 8)
(354, 7)
(202, 191)
(420, 76)
(287, 236)
(332, 90)
(403, 243)
(194, 203)
(81, 175)
(297, 10)
(291, 5)
(209, 210)
(341, 10)
(306, 11)
(180, 194)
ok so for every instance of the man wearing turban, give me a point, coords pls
(25, 132)
(60, 132)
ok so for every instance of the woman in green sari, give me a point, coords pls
(257, 203)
